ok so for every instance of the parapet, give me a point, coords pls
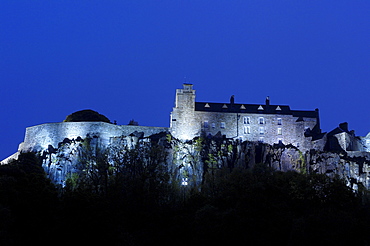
(41, 136)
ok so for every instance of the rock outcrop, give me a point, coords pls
(188, 162)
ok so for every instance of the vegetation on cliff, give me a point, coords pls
(256, 206)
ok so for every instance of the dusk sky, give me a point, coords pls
(125, 59)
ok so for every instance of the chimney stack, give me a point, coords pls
(232, 100)
(267, 101)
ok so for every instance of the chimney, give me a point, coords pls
(187, 87)
(344, 126)
(232, 100)
(267, 101)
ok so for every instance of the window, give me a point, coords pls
(262, 130)
(261, 120)
(184, 181)
(247, 120)
(213, 125)
(247, 130)
(279, 131)
(205, 124)
(261, 139)
(222, 125)
(279, 121)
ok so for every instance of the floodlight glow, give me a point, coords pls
(184, 181)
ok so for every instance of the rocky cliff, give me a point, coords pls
(190, 163)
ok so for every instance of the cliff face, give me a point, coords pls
(189, 163)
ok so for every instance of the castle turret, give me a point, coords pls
(185, 98)
(183, 125)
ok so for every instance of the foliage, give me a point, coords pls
(128, 200)
(27, 202)
(86, 115)
(132, 122)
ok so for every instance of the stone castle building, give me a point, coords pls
(248, 122)
(268, 123)
(292, 141)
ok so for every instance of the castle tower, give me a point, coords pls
(183, 124)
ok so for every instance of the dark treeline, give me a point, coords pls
(257, 206)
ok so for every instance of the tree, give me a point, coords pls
(27, 202)
(86, 115)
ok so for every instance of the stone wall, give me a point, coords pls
(186, 123)
(41, 136)
(266, 128)
(366, 142)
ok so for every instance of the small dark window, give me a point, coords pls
(205, 124)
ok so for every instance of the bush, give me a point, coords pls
(86, 115)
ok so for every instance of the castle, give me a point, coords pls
(247, 122)
(267, 123)
(234, 133)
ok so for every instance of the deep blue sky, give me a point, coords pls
(125, 59)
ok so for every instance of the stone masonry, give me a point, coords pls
(247, 122)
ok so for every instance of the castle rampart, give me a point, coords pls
(41, 136)
(266, 123)
(302, 146)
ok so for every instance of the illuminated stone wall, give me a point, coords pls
(366, 142)
(266, 128)
(186, 123)
(39, 137)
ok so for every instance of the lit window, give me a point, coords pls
(262, 130)
(184, 181)
(205, 124)
(213, 125)
(279, 131)
(247, 120)
(222, 125)
(247, 130)
(261, 120)
(279, 121)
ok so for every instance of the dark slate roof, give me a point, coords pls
(253, 109)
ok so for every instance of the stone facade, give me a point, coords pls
(41, 136)
(247, 122)
(265, 123)
(366, 142)
(233, 135)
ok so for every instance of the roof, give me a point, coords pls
(253, 109)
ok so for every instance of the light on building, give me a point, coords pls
(184, 181)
